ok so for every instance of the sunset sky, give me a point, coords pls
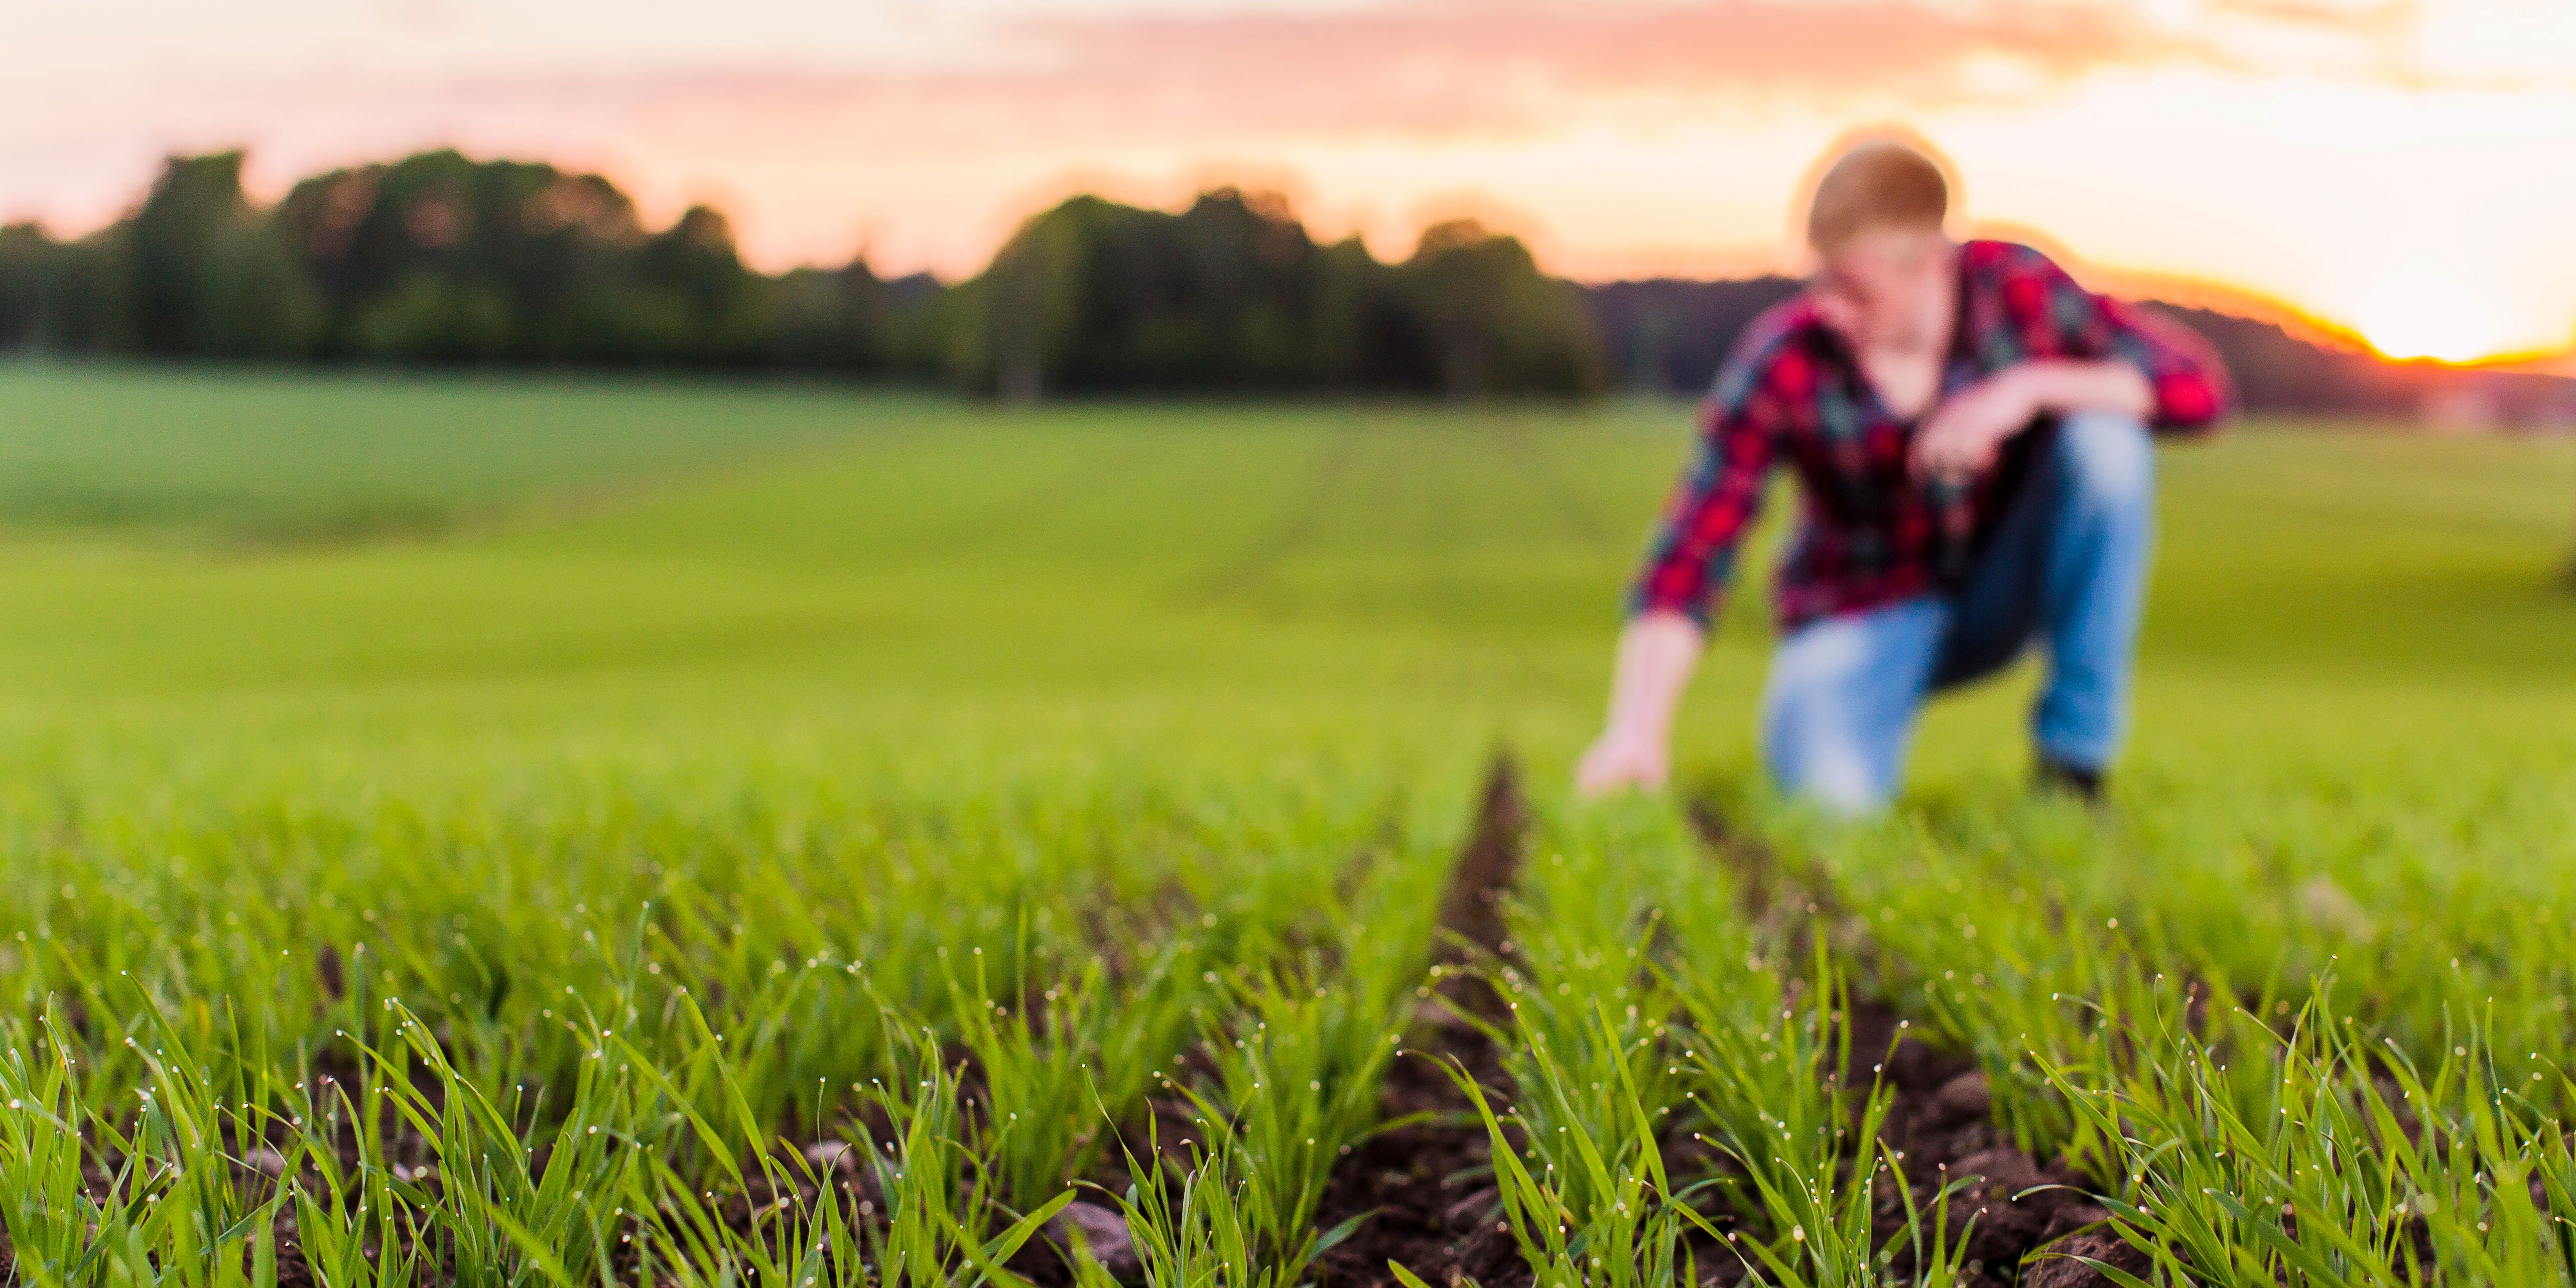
(2406, 169)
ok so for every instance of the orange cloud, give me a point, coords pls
(1405, 70)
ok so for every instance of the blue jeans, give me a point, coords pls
(2067, 567)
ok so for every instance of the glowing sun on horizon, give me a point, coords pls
(2423, 308)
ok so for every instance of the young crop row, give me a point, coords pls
(2282, 1038)
(807, 1040)
(514, 1048)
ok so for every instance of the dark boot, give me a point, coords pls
(2052, 777)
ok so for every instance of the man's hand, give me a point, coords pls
(1656, 654)
(1961, 437)
(1622, 760)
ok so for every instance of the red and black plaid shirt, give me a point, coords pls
(1871, 532)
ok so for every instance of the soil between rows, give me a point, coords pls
(1427, 1183)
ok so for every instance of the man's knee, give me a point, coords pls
(1840, 702)
(2110, 459)
(1829, 765)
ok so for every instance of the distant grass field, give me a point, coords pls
(391, 560)
(814, 686)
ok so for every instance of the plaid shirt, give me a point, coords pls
(1871, 532)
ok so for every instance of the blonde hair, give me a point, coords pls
(1881, 183)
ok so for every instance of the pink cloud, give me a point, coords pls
(1437, 68)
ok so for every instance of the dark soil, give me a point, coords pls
(2057, 1267)
(1428, 1185)
(1427, 1180)
(1783, 900)
(1471, 914)
(1754, 865)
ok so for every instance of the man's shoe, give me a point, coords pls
(2051, 777)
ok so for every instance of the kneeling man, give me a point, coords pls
(1970, 431)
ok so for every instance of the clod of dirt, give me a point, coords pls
(2012, 1200)
(2056, 1266)
(1104, 1233)
(833, 1155)
(1960, 1101)
(1941, 1122)
(1915, 1066)
(1426, 1185)
(2073, 1217)
(1878, 1044)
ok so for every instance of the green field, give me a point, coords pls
(577, 789)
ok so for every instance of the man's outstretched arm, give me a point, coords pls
(1657, 653)
(1712, 507)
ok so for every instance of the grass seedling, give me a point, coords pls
(1767, 1085)
(1297, 1086)
(1061, 1062)
(507, 1221)
(2306, 1158)
(937, 1193)
(1607, 1217)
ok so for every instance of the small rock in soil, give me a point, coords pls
(1104, 1232)
(266, 1161)
(1471, 1211)
(1489, 1256)
(1725, 1271)
(826, 1155)
(2073, 1217)
(1960, 1101)
(2055, 1266)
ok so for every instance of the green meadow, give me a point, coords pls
(543, 831)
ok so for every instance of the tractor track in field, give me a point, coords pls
(1324, 480)
(1573, 509)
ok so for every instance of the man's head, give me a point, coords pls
(1883, 260)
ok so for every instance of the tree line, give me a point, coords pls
(439, 259)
